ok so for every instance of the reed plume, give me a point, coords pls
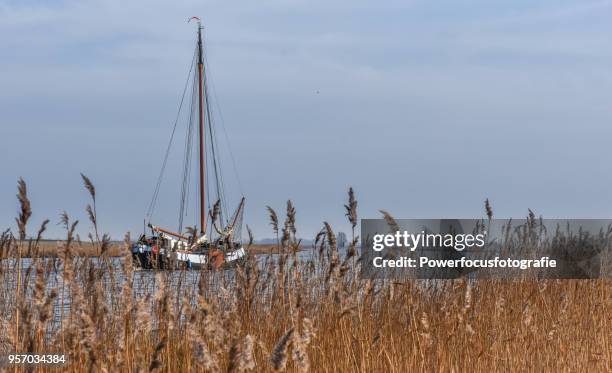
(291, 213)
(214, 214)
(488, 209)
(278, 358)
(390, 220)
(351, 208)
(89, 186)
(250, 234)
(25, 211)
(273, 219)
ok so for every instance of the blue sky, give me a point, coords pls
(425, 108)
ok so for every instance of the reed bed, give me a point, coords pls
(289, 314)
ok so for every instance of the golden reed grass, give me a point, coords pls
(288, 314)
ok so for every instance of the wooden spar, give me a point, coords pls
(177, 235)
(201, 132)
(238, 212)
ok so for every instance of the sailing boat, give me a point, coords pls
(217, 242)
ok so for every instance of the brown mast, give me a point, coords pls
(201, 131)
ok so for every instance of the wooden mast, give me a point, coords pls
(201, 132)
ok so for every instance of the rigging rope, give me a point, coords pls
(187, 160)
(216, 162)
(220, 179)
(153, 202)
(229, 147)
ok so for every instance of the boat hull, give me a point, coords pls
(148, 257)
(202, 260)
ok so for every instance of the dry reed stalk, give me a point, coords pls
(22, 221)
(334, 259)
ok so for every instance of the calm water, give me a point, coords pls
(145, 281)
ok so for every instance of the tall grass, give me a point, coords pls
(289, 314)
